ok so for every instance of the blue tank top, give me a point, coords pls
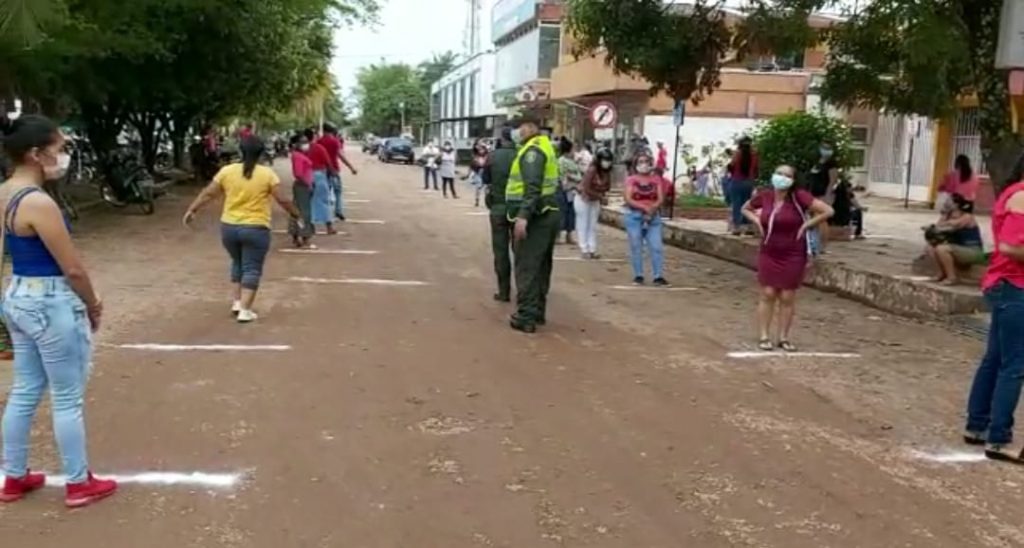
(969, 236)
(28, 253)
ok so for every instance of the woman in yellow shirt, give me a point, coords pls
(248, 189)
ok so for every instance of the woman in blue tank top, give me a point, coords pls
(51, 310)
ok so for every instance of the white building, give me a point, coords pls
(462, 101)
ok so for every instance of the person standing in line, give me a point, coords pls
(336, 156)
(495, 178)
(783, 215)
(662, 160)
(585, 157)
(321, 207)
(530, 197)
(570, 177)
(995, 391)
(51, 310)
(431, 156)
(742, 176)
(825, 183)
(446, 167)
(644, 193)
(476, 167)
(590, 196)
(302, 193)
(248, 189)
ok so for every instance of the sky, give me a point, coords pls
(409, 31)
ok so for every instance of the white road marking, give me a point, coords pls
(911, 278)
(950, 457)
(205, 347)
(582, 260)
(781, 354)
(364, 222)
(191, 479)
(652, 288)
(477, 213)
(357, 201)
(329, 251)
(357, 281)
(320, 233)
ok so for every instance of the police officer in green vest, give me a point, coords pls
(495, 177)
(530, 199)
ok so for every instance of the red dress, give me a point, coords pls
(783, 257)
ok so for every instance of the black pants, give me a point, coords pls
(429, 173)
(857, 220)
(501, 247)
(446, 183)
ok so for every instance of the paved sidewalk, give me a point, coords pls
(877, 270)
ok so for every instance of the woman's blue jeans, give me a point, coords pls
(640, 231)
(740, 192)
(247, 245)
(997, 382)
(52, 342)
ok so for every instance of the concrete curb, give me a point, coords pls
(903, 297)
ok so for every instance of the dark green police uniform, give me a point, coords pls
(495, 176)
(530, 195)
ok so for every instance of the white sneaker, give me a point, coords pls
(236, 307)
(246, 316)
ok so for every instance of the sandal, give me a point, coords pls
(787, 346)
(974, 438)
(766, 345)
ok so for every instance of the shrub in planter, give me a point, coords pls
(794, 139)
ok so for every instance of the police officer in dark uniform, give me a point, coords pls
(531, 203)
(495, 177)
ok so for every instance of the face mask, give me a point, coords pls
(448, 148)
(57, 170)
(643, 169)
(605, 164)
(825, 152)
(781, 182)
(304, 147)
(517, 136)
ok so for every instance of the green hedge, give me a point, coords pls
(794, 139)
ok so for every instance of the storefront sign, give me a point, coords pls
(1010, 53)
(508, 15)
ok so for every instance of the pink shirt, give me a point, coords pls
(302, 168)
(1007, 227)
(644, 188)
(968, 189)
(662, 161)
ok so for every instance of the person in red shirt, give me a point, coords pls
(996, 389)
(662, 160)
(302, 192)
(332, 144)
(245, 132)
(742, 174)
(322, 208)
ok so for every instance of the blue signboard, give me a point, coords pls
(507, 15)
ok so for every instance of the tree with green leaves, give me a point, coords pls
(437, 66)
(384, 91)
(907, 57)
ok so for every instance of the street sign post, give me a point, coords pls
(603, 115)
(678, 117)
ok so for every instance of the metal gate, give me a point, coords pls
(890, 151)
(966, 139)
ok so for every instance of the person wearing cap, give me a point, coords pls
(531, 203)
(495, 178)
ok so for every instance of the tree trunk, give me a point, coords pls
(145, 124)
(103, 124)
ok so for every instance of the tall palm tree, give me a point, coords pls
(24, 21)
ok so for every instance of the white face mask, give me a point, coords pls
(304, 147)
(606, 164)
(517, 136)
(56, 171)
(643, 169)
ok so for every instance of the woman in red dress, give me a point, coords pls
(783, 214)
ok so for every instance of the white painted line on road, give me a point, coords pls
(950, 457)
(191, 479)
(320, 233)
(364, 222)
(652, 288)
(205, 347)
(329, 251)
(477, 213)
(582, 260)
(781, 354)
(357, 201)
(357, 281)
(911, 278)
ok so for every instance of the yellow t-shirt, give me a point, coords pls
(247, 201)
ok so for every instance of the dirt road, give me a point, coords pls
(412, 416)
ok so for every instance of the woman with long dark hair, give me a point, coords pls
(590, 195)
(248, 189)
(743, 173)
(569, 175)
(995, 391)
(960, 180)
(51, 309)
(785, 216)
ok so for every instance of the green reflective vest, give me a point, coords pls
(516, 188)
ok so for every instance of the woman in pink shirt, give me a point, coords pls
(644, 194)
(997, 382)
(961, 180)
(302, 192)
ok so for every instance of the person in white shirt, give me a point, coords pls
(585, 157)
(430, 161)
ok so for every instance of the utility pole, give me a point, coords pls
(401, 105)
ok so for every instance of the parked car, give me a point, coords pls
(372, 145)
(397, 148)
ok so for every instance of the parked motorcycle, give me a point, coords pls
(127, 181)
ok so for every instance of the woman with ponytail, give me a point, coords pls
(248, 189)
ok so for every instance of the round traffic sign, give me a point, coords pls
(603, 115)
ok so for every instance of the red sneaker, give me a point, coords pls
(16, 488)
(89, 491)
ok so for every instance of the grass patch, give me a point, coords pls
(696, 201)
